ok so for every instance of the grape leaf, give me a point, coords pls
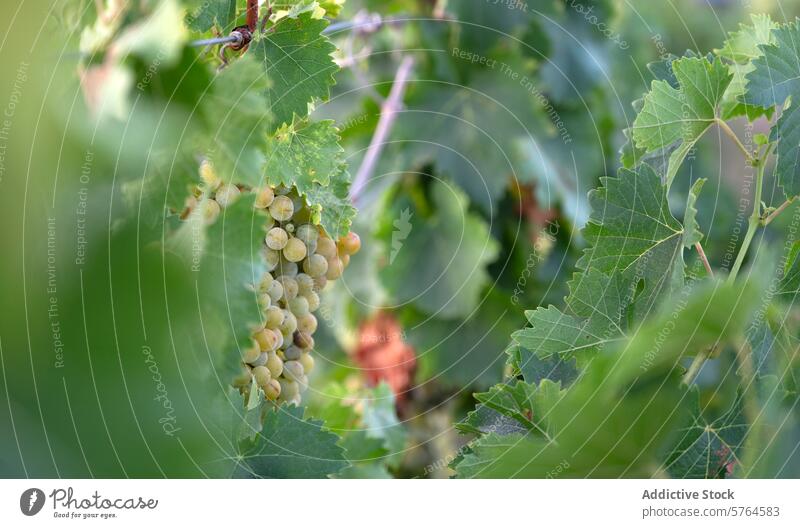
(625, 403)
(523, 402)
(297, 60)
(787, 134)
(635, 254)
(303, 154)
(708, 450)
(330, 204)
(685, 113)
(741, 48)
(457, 246)
(291, 446)
(236, 119)
(203, 17)
(776, 75)
(692, 233)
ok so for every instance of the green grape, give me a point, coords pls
(326, 247)
(315, 266)
(290, 287)
(289, 324)
(335, 268)
(267, 339)
(307, 360)
(287, 268)
(243, 378)
(294, 250)
(281, 208)
(274, 364)
(307, 233)
(227, 194)
(313, 301)
(272, 390)
(299, 306)
(292, 353)
(271, 258)
(289, 389)
(320, 283)
(262, 360)
(263, 376)
(276, 238)
(289, 228)
(305, 284)
(265, 282)
(276, 290)
(307, 323)
(302, 383)
(251, 354)
(293, 370)
(211, 210)
(264, 198)
(273, 317)
(264, 300)
(303, 340)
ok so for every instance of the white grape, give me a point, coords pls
(273, 389)
(274, 364)
(313, 301)
(271, 258)
(307, 360)
(227, 194)
(326, 247)
(299, 306)
(292, 353)
(264, 198)
(273, 317)
(307, 233)
(305, 284)
(293, 370)
(281, 208)
(315, 266)
(263, 376)
(294, 250)
(276, 238)
(307, 323)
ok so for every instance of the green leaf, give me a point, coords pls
(457, 246)
(290, 446)
(708, 450)
(297, 60)
(776, 75)
(741, 48)
(685, 113)
(616, 420)
(303, 154)
(330, 204)
(210, 12)
(787, 134)
(635, 257)
(692, 234)
(236, 119)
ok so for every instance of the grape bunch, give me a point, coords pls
(300, 260)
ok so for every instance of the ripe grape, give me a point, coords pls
(276, 290)
(262, 360)
(273, 317)
(307, 233)
(209, 175)
(243, 378)
(335, 268)
(313, 301)
(303, 340)
(294, 250)
(293, 370)
(305, 284)
(320, 283)
(349, 244)
(227, 194)
(292, 353)
(289, 324)
(271, 258)
(267, 339)
(251, 354)
(299, 306)
(281, 208)
(315, 266)
(264, 198)
(307, 323)
(273, 389)
(274, 364)
(263, 376)
(287, 268)
(326, 247)
(290, 287)
(289, 389)
(276, 238)
(307, 360)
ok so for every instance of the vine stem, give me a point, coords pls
(699, 248)
(731, 134)
(696, 365)
(777, 211)
(755, 217)
(389, 111)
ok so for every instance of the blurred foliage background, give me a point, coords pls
(512, 113)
